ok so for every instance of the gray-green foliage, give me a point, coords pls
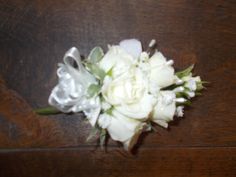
(95, 55)
(98, 72)
(93, 90)
(103, 134)
(185, 72)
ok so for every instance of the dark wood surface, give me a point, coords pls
(34, 35)
(160, 162)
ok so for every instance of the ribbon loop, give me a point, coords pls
(70, 94)
(73, 55)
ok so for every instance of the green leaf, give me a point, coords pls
(198, 94)
(93, 133)
(185, 72)
(93, 90)
(109, 73)
(171, 87)
(200, 85)
(181, 95)
(93, 68)
(47, 111)
(205, 82)
(96, 55)
(109, 111)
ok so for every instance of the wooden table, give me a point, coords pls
(34, 35)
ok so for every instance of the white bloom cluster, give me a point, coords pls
(123, 90)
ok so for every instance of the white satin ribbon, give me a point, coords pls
(70, 94)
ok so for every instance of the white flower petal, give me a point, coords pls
(128, 93)
(124, 129)
(165, 108)
(116, 59)
(179, 111)
(104, 120)
(139, 110)
(163, 76)
(161, 71)
(191, 84)
(132, 46)
(161, 122)
(129, 144)
(157, 59)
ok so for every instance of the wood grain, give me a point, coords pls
(20, 127)
(151, 162)
(34, 35)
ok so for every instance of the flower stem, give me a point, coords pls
(47, 111)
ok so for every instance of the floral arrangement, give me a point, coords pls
(124, 91)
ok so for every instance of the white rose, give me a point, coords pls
(192, 84)
(124, 129)
(165, 108)
(128, 93)
(161, 73)
(121, 57)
